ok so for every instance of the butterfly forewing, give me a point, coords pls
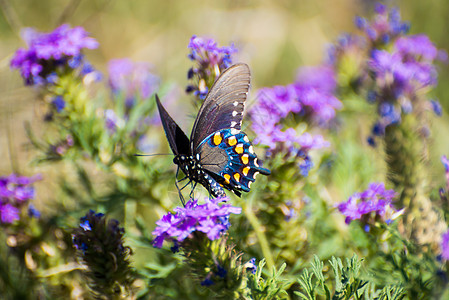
(224, 104)
(179, 142)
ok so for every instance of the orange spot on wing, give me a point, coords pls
(245, 170)
(227, 177)
(245, 159)
(232, 141)
(217, 138)
(239, 149)
(237, 177)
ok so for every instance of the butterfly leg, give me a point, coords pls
(177, 187)
(192, 195)
(185, 185)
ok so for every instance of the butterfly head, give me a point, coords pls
(189, 165)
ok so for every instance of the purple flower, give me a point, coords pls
(208, 218)
(385, 25)
(370, 205)
(132, 79)
(391, 73)
(206, 52)
(48, 52)
(207, 282)
(112, 121)
(311, 97)
(251, 265)
(210, 60)
(314, 88)
(306, 166)
(445, 246)
(318, 77)
(58, 103)
(33, 212)
(436, 107)
(15, 193)
(16, 189)
(445, 162)
(416, 46)
(311, 94)
(9, 213)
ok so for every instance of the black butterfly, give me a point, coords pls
(218, 154)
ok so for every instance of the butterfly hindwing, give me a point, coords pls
(231, 156)
(179, 142)
(224, 104)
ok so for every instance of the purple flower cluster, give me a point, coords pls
(310, 97)
(406, 69)
(208, 218)
(445, 246)
(315, 88)
(132, 80)
(100, 248)
(50, 54)
(91, 227)
(396, 69)
(15, 193)
(210, 60)
(385, 25)
(399, 77)
(371, 205)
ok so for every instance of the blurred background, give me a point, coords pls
(273, 37)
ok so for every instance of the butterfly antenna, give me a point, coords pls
(152, 154)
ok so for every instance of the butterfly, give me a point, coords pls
(218, 155)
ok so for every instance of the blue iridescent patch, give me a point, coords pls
(242, 166)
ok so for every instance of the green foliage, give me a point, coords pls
(264, 289)
(348, 282)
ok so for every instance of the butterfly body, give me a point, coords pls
(218, 154)
(191, 167)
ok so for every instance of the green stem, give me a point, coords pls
(263, 242)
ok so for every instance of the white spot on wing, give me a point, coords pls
(234, 131)
(255, 162)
